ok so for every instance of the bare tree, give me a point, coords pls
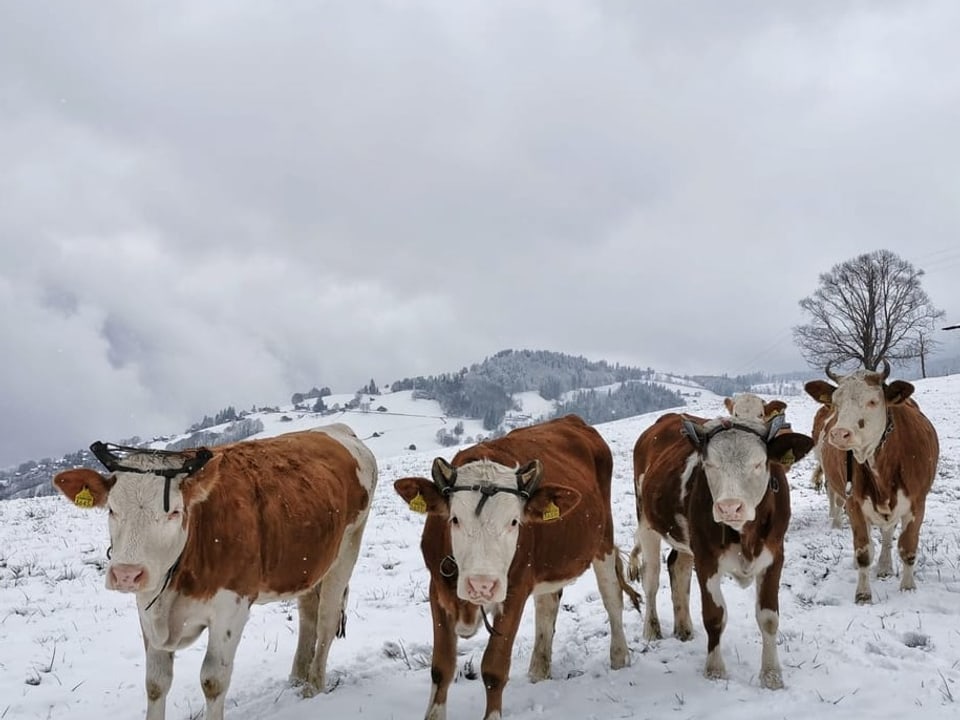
(867, 309)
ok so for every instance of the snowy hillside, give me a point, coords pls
(71, 650)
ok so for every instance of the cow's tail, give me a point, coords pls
(624, 585)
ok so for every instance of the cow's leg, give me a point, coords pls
(308, 606)
(908, 542)
(331, 616)
(648, 540)
(680, 568)
(159, 676)
(546, 607)
(605, 569)
(836, 502)
(884, 566)
(768, 620)
(229, 615)
(495, 666)
(714, 620)
(634, 565)
(444, 661)
(862, 551)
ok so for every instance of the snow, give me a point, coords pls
(71, 649)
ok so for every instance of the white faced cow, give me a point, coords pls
(717, 492)
(521, 515)
(200, 536)
(880, 454)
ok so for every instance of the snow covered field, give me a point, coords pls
(71, 649)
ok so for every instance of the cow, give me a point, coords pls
(199, 536)
(520, 515)
(879, 455)
(717, 492)
(750, 406)
(835, 501)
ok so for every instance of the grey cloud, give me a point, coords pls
(222, 203)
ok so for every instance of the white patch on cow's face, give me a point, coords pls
(747, 406)
(735, 463)
(861, 414)
(484, 544)
(143, 538)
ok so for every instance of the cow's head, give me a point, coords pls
(735, 456)
(148, 496)
(859, 404)
(486, 505)
(748, 406)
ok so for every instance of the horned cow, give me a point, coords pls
(717, 492)
(879, 455)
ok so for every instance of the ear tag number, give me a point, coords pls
(551, 512)
(418, 504)
(84, 498)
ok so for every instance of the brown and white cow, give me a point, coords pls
(748, 406)
(200, 536)
(717, 493)
(835, 501)
(880, 456)
(517, 516)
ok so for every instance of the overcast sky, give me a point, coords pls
(210, 203)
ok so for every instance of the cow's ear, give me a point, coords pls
(728, 404)
(422, 496)
(772, 409)
(786, 449)
(549, 503)
(84, 488)
(820, 390)
(897, 391)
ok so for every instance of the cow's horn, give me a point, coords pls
(529, 476)
(886, 370)
(444, 474)
(833, 376)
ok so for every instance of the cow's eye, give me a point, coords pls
(515, 522)
(455, 520)
(175, 515)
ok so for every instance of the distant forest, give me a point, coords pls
(484, 389)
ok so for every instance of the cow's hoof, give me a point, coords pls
(308, 690)
(715, 674)
(651, 630)
(864, 598)
(771, 679)
(683, 634)
(619, 660)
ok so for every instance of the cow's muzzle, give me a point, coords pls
(483, 589)
(731, 512)
(124, 577)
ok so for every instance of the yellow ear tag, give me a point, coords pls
(84, 498)
(551, 512)
(788, 459)
(418, 504)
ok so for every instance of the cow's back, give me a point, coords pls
(660, 458)
(275, 512)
